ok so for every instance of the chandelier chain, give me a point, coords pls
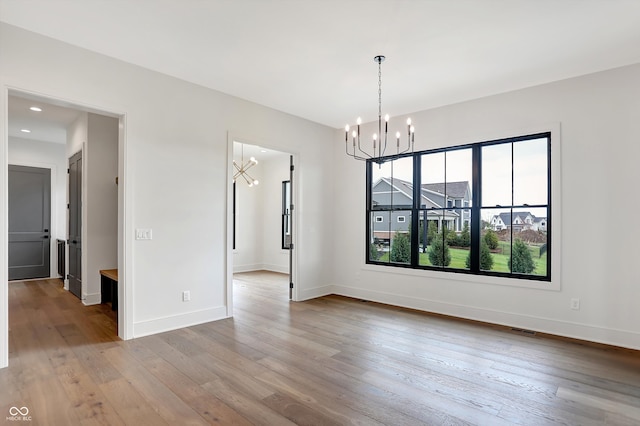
(380, 89)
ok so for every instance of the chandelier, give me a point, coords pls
(241, 171)
(379, 140)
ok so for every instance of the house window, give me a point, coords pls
(500, 188)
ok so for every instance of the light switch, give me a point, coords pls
(144, 234)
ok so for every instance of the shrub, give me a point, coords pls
(439, 251)
(432, 231)
(400, 248)
(521, 260)
(491, 238)
(464, 239)
(373, 252)
(452, 238)
(486, 259)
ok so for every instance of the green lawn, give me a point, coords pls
(500, 260)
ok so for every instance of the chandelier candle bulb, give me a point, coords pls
(398, 139)
(386, 123)
(346, 133)
(374, 141)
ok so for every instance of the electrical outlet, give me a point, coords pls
(575, 304)
(186, 296)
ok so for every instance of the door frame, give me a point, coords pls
(125, 209)
(231, 138)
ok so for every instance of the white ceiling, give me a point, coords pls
(314, 58)
(48, 125)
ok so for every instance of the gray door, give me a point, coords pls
(75, 225)
(29, 222)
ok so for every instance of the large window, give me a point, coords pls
(482, 208)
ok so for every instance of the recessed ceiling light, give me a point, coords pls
(25, 130)
(35, 108)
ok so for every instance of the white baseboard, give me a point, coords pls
(623, 338)
(247, 268)
(315, 292)
(92, 299)
(174, 322)
(261, 267)
(276, 268)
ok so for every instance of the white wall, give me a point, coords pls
(598, 116)
(175, 176)
(46, 155)
(100, 164)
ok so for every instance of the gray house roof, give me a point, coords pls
(403, 194)
(453, 189)
(507, 220)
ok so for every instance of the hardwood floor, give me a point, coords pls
(329, 361)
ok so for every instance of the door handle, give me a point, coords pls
(45, 237)
(46, 230)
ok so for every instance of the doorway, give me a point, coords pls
(49, 131)
(261, 219)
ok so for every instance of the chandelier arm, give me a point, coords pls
(246, 179)
(239, 169)
(360, 149)
(249, 165)
(354, 155)
(249, 176)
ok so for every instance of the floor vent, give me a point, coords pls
(523, 331)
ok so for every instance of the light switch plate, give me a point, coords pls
(144, 234)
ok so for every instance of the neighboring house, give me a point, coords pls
(399, 194)
(458, 194)
(520, 221)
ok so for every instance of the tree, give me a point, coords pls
(464, 239)
(491, 238)
(451, 237)
(373, 252)
(486, 259)
(439, 251)
(400, 248)
(521, 260)
(432, 231)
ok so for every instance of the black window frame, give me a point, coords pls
(475, 208)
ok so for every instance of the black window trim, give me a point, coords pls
(475, 208)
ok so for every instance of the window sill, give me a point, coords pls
(553, 285)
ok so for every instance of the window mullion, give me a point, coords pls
(415, 213)
(476, 200)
